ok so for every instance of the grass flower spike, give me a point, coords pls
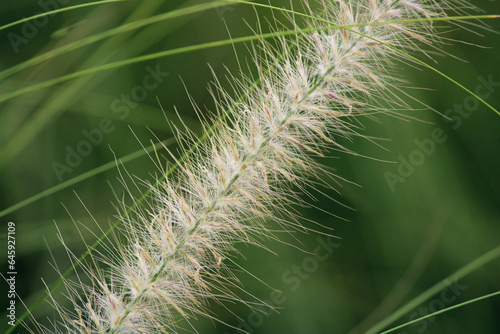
(172, 255)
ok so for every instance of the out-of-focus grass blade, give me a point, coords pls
(85, 176)
(121, 63)
(52, 12)
(111, 32)
(490, 295)
(73, 92)
(426, 295)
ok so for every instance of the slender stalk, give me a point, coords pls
(443, 311)
(59, 10)
(135, 25)
(426, 295)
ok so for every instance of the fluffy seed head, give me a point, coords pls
(172, 254)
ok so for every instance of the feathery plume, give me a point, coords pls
(170, 255)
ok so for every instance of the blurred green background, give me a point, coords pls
(398, 239)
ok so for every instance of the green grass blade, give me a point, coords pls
(426, 295)
(58, 102)
(143, 58)
(84, 176)
(109, 33)
(443, 311)
(202, 46)
(52, 12)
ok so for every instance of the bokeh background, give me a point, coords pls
(394, 240)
